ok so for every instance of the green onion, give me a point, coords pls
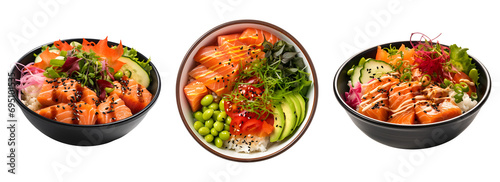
(425, 82)
(445, 83)
(406, 77)
(463, 86)
(473, 96)
(458, 97)
(57, 62)
(63, 53)
(51, 73)
(398, 66)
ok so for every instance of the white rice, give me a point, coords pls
(29, 95)
(247, 144)
(466, 104)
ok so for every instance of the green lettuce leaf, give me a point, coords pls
(460, 59)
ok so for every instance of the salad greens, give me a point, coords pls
(462, 62)
(280, 73)
(460, 59)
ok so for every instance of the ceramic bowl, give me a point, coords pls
(210, 38)
(86, 135)
(408, 136)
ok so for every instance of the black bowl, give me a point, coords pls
(86, 135)
(409, 136)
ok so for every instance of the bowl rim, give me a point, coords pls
(401, 126)
(311, 67)
(123, 121)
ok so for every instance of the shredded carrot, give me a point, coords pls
(46, 57)
(63, 46)
(102, 49)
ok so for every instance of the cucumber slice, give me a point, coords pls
(357, 73)
(374, 69)
(137, 73)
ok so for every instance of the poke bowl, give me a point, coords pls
(419, 128)
(54, 91)
(227, 109)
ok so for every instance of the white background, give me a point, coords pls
(332, 149)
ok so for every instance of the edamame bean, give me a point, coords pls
(197, 125)
(209, 123)
(118, 75)
(215, 115)
(228, 120)
(224, 135)
(198, 116)
(222, 116)
(361, 62)
(213, 106)
(108, 90)
(221, 105)
(207, 114)
(203, 131)
(218, 142)
(219, 126)
(209, 138)
(226, 127)
(214, 132)
(207, 100)
(350, 72)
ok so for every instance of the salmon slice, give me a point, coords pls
(219, 64)
(401, 102)
(428, 112)
(60, 112)
(84, 114)
(118, 89)
(135, 96)
(217, 75)
(213, 80)
(252, 36)
(87, 95)
(111, 110)
(231, 39)
(375, 99)
(216, 58)
(60, 90)
(194, 92)
(80, 113)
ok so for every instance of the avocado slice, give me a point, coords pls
(290, 117)
(279, 122)
(302, 104)
(298, 109)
